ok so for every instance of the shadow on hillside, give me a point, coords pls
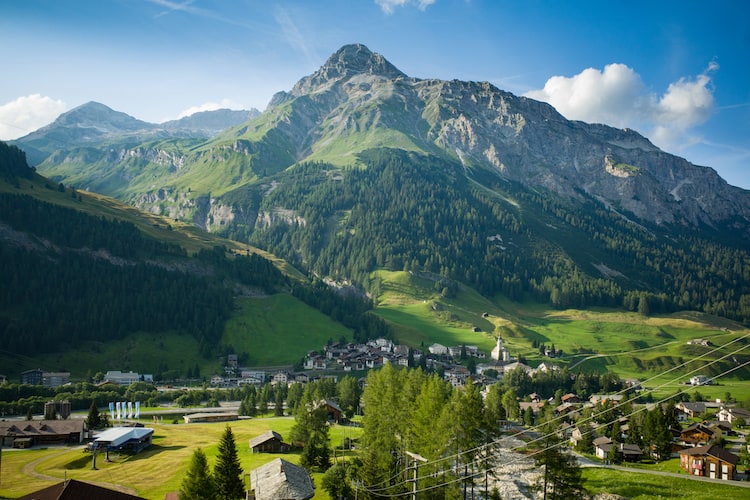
(152, 451)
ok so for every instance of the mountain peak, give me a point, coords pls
(348, 61)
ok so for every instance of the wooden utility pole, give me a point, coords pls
(417, 458)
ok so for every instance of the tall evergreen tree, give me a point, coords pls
(227, 470)
(94, 419)
(311, 431)
(198, 483)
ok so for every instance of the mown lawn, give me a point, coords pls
(157, 470)
(642, 486)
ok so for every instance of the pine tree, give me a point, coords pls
(94, 419)
(227, 470)
(198, 483)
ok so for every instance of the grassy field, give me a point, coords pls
(650, 348)
(641, 486)
(157, 470)
(279, 330)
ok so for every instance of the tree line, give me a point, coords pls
(405, 211)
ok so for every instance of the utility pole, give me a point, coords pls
(417, 458)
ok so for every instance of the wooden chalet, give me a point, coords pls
(711, 461)
(27, 433)
(696, 435)
(269, 442)
(72, 489)
(281, 480)
(687, 411)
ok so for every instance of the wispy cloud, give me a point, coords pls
(293, 35)
(389, 6)
(617, 96)
(188, 7)
(28, 113)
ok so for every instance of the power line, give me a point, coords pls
(485, 447)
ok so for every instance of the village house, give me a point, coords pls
(603, 398)
(732, 415)
(687, 411)
(570, 398)
(438, 350)
(27, 433)
(269, 442)
(280, 377)
(279, 479)
(628, 452)
(696, 435)
(711, 461)
(700, 380)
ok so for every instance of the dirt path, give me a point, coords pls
(30, 470)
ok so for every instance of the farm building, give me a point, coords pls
(281, 480)
(210, 417)
(23, 434)
(269, 442)
(76, 490)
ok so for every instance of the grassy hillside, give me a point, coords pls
(633, 346)
(280, 330)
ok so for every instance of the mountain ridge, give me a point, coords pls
(551, 198)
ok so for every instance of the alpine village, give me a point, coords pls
(379, 287)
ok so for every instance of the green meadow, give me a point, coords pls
(653, 349)
(158, 469)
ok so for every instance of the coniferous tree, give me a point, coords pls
(198, 483)
(227, 473)
(94, 419)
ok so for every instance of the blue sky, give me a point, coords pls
(676, 71)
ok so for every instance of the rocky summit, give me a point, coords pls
(360, 167)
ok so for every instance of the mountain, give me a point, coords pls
(360, 167)
(209, 123)
(94, 124)
(89, 282)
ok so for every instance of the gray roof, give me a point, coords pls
(281, 480)
(266, 436)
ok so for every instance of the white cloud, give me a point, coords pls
(210, 106)
(28, 113)
(617, 96)
(389, 6)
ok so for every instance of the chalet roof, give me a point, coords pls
(740, 412)
(713, 451)
(697, 427)
(266, 436)
(42, 427)
(697, 407)
(77, 490)
(281, 480)
(601, 441)
(333, 405)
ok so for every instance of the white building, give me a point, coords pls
(118, 377)
(438, 349)
(500, 353)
